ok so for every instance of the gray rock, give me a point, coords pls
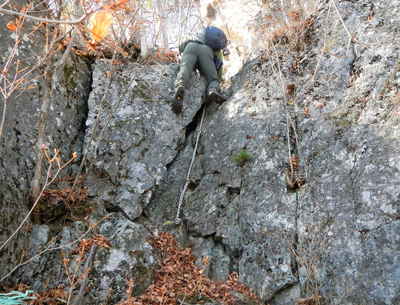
(39, 236)
(322, 239)
(129, 258)
(336, 237)
(18, 153)
(140, 135)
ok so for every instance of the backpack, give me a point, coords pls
(215, 38)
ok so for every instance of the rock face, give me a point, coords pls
(132, 138)
(64, 130)
(295, 181)
(132, 134)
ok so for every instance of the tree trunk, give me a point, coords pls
(44, 110)
(162, 24)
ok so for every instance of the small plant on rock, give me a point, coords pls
(242, 157)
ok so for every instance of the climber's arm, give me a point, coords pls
(219, 62)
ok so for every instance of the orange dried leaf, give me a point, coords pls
(307, 112)
(99, 24)
(30, 87)
(11, 26)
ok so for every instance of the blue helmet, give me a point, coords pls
(215, 38)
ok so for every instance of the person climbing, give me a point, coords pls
(206, 54)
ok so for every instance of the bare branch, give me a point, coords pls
(5, 3)
(344, 25)
(66, 21)
(48, 181)
(30, 211)
(61, 247)
(3, 117)
(84, 282)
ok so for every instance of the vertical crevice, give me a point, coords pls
(295, 245)
(192, 126)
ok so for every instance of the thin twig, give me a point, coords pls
(11, 86)
(68, 245)
(47, 183)
(344, 25)
(65, 21)
(73, 282)
(48, 85)
(4, 4)
(288, 118)
(3, 116)
(87, 268)
(44, 110)
(323, 46)
(7, 90)
(31, 210)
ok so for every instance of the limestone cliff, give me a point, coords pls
(295, 181)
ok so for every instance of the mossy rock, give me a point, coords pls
(343, 123)
(69, 75)
(143, 91)
(242, 157)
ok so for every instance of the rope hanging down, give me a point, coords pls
(187, 181)
(15, 297)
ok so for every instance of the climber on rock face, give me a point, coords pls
(206, 54)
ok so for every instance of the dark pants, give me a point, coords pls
(201, 56)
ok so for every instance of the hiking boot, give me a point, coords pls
(177, 106)
(215, 96)
(179, 93)
(177, 103)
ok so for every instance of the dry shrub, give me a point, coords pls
(67, 199)
(161, 56)
(289, 24)
(179, 280)
(295, 35)
(59, 295)
(62, 203)
(55, 296)
(113, 30)
(310, 255)
(72, 196)
(86, 244)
